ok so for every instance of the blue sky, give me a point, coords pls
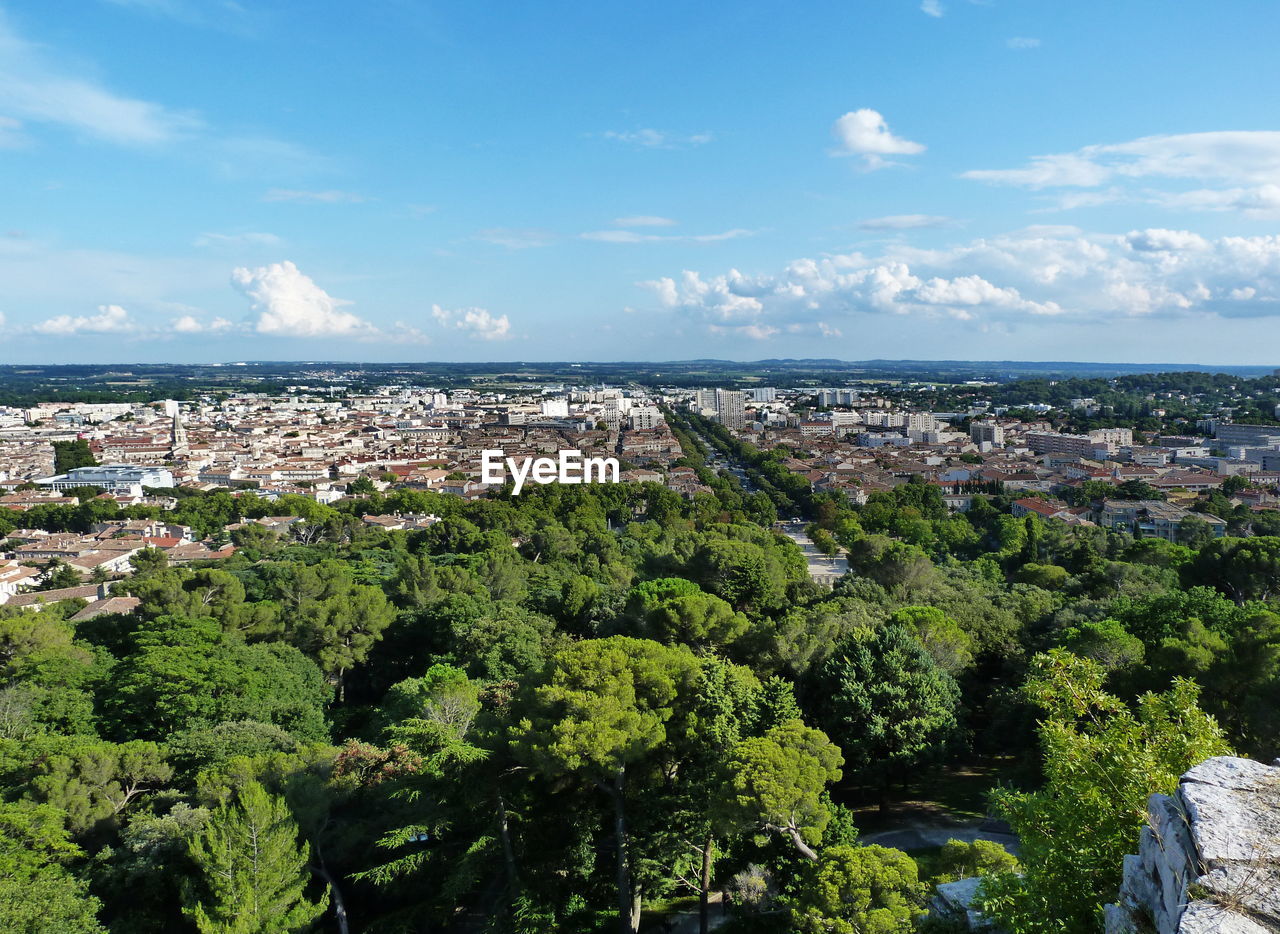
(205, 180)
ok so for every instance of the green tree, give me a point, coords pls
(251, 869)
(601, 706)
(92, 780)
(859, 890)
(148, 561)
(1102, 760)
(940, 635)
(340, 631)
(884, 700)
(58, 575)
(775, 783)
(68, 455)
(189, 674)
(696, 619)
(38, 895)
(1243, 568)
(361, 486)
(1107, 642)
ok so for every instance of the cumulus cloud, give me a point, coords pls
(649, 138)
(643, 220)
(328, 196)
(932, 8)
(1246, 161)
(1168, 241)
(289, 304)
(110, 319)
(35, 87)
(865, 133)
(190, 324)
(1022, 43)
(477, 323)
(1033, 273)
(905, 222)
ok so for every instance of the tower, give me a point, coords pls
(178, 436)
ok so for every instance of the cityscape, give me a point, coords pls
(614, 468)
(905, 544)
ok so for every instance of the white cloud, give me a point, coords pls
(1248, 161)
(290, 304)
(110, 319)
(631, 236)
(1157, 240)
(516, 238)
(932, 8)
(905, 222)
(1022, 43)
(190, 324)
(237, 240)
(478, 323)
(330, 196)
(649, 138)
(865, 133)
(1007, 280)
(643, 220)
(34, 87)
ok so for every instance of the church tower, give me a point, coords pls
(178, 437)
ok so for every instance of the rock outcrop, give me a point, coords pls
(1209, 858)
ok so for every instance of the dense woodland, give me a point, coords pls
(584, 707)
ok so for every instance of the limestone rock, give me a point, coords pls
(1209, 859)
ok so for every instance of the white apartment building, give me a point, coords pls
(731, 409)
(986, 433)
(645, 417)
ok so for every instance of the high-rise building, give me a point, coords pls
(764, 394)
(986, 433)
(731, 409)
(704, 400)
(644, 417)
(828, 397)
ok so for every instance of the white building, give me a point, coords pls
(731, 409)
(114, 478)
(644, 417)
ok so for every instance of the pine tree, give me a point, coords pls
(252, 870)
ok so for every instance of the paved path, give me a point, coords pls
(923, 836)
(822, 569)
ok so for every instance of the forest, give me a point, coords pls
(593, 708)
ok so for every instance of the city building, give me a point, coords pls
(114, 478)
(1151, 518)
(1247, 435)
(731, 409)
(646, 417)
(846, 397)
(986, 433)
(1051, 442)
